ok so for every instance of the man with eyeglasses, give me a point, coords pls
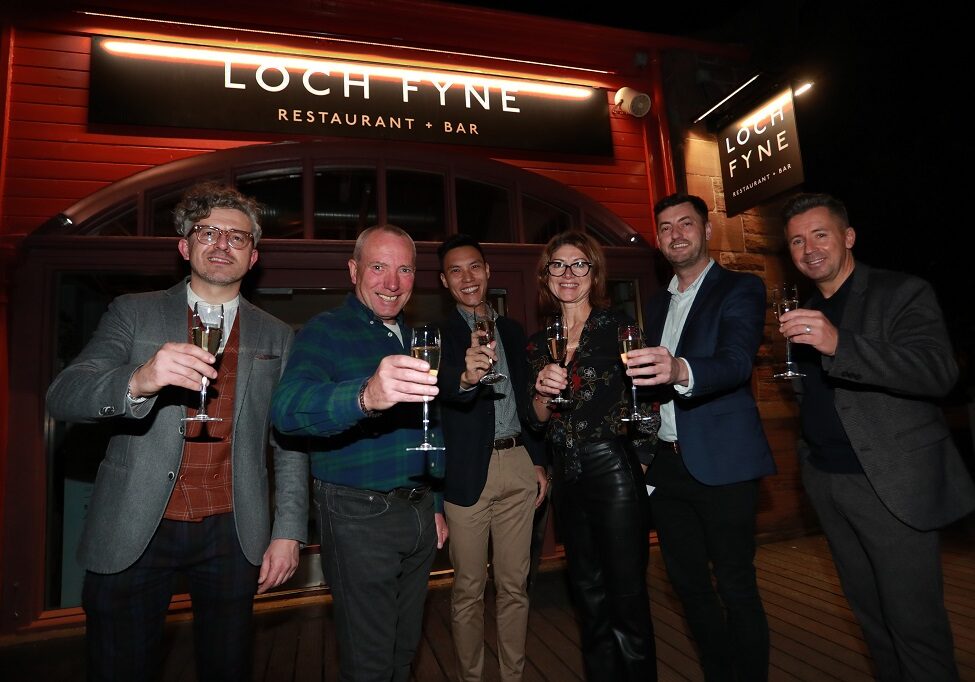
(704, 330)
(176, 498)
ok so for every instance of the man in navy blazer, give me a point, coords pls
(703, 332)
(495, 475)
(877, 459)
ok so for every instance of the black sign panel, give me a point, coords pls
(760, 154)
(183, 86)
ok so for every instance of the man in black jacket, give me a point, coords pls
(495, 467)
(876, 455)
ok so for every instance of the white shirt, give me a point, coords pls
(680, 306)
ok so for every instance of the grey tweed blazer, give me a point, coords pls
(137, 475)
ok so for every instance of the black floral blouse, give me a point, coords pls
(600, 390)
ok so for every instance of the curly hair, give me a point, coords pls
(199, 201)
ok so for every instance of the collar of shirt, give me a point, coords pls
(690, 291)
(360, 311)
(680, 306)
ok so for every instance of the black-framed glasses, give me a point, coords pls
(209, 234)
(580, 268)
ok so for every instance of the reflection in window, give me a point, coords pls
(483, 211)
(415, 202)
(117, 224)
(543, 220)
(161, 210)
(280, 192)
(345, 202)
(599, 233)
(624, 296)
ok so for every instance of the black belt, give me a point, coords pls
(669, 446)
(507, 443)
(409, 494)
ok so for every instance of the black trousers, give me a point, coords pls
(891, 575)
(703, 528)
(603, 522)
(126, 611)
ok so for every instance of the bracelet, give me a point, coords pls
(362, 401)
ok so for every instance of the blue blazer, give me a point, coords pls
(718, 425)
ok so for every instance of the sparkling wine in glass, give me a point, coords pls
(485, 322)
(784, 299)
(206, 332)
(557, 335)
(631, 338)
(426, 346)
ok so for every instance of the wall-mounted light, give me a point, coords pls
(805, 87)
(631, 102)
(322, 67)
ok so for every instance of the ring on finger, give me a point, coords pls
(808, 329)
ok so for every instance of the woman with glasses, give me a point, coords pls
(599, 494)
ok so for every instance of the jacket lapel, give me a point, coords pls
(656, 315)
(175, 315)
(251, 330)
(853, 309)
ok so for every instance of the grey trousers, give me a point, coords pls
(891, 575)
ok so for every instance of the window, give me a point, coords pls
(415, 202)
(483, 211)
(543, 220)
(279, 190)
(345, 202)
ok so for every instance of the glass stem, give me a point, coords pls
(788, 353)
(203, 397)
(633, 390)
(426, 422)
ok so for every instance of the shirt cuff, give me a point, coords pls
(686, 391)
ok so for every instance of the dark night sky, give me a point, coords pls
(885, 129)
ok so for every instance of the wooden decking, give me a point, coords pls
(813, 634)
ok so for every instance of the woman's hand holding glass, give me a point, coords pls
(551, 380)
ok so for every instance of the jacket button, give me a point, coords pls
(106, 410)
(171, 475)
(182, 430)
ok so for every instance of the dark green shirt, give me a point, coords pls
(318, 396)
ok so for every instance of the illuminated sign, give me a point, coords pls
(146, 83)
(760, 154)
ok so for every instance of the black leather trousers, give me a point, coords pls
(603, 522)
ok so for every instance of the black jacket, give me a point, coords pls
(468, 416)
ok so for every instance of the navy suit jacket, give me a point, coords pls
(468, 416)
(718, 425)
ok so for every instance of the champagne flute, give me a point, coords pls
(558, 348)
(426, 346)
(485, 323)
(784, 299)
(631, 338)
(206, 332)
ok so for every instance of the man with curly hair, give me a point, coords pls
(185, 498)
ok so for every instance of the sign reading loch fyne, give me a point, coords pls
(162, 84)
(760, 154)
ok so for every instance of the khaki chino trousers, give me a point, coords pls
(503, 514)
